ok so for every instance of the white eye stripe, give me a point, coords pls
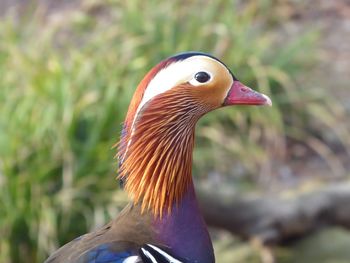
(178, 72)
(167, 78)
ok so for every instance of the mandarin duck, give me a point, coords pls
(162, 223)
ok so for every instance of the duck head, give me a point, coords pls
(155, 150)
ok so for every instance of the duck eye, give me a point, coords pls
(202, 76)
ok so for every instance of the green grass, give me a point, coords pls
(65, 85)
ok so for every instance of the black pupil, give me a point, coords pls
(202, 77)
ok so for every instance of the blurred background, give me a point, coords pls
(273, 182)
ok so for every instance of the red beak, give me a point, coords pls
(243, 95)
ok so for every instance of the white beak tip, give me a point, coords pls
(268, 100)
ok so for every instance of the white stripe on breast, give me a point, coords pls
(132, 259)
(149, 255)
(166, 255)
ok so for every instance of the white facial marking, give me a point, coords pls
(176, 73)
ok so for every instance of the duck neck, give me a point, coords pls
(156, 165)
(184, 230)
(157, 153)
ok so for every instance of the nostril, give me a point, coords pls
(244, 89)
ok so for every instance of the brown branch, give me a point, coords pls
(275, 220)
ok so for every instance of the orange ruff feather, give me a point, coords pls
(157, 167)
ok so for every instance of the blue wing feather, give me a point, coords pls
(105, 254)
